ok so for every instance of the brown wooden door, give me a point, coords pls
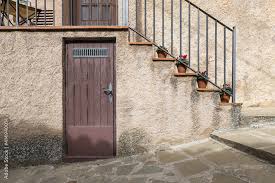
(89, 105)
(95, 12)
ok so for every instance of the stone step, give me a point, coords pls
(164, 59)
(259, 142)
(257, 116)
(207, 90)
(140, 43)
(176, 74)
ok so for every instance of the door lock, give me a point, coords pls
(109, 92)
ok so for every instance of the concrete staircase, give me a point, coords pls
(185, 113)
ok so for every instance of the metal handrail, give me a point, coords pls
(209, 15)
(144, 33)
(168, 53)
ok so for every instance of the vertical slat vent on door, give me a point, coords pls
(90, 52)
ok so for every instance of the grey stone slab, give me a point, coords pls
(191, 167)
(160, 181)
(247, 140)
(149, 170)
(95, 179)
(221, 178)
(138, 180)
(125, 169)
(221, 157)
(106, 169)
(201, 148)
(168, 157)
(259, 175)
(121, 180)
(59, 179)
(269, 131)
(199, 180)
(269, 149)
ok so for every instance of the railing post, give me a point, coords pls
(53, 12)
(17, 13)
(145, 17)
(234, 60)
(8, 12)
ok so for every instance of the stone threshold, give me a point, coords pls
(256, 142)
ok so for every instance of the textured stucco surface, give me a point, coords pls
(255, 22)
(154, 109)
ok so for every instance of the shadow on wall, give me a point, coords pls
(31, 144)
(133, 141)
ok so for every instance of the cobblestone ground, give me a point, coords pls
(202, 162)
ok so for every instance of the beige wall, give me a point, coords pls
(154, 109)
(255, 22)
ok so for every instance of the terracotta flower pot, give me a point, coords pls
(161, 54)
(202, 83)
(181, 68)
(225, 98)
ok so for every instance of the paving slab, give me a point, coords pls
(196, 149)
(219, 164)
(221, 178)
(168, 156)
(191, 167)
(249, 141)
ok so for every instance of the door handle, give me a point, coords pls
(109, 92)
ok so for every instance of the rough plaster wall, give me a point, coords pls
(154, 109)
(255, 22)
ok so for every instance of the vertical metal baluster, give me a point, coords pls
(127, 13)
(17, 12)
(172, 26)
(1, 16)
(145, 17)
(154, 20)
(234, 60)
(53, 12)
(36, 18)
(216, 50)
(207, 44)
(180, 27)
(45, 9)
(189, 32)
(129, 35)
(162, 22)
(224, 55)
(136, 14)
(198, 40)
(122, 12)
(97, 10)
(8, 11)
(27, 12)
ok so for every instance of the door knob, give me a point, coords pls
(109, 92)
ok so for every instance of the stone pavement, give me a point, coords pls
(205, 161)
(259, 142)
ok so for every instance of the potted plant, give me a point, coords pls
(225, 95)
(202, 79)
(182, 63)
(162, 52)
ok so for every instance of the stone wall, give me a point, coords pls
(154, 108)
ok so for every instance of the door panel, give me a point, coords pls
(95, 12)
(89, 110)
